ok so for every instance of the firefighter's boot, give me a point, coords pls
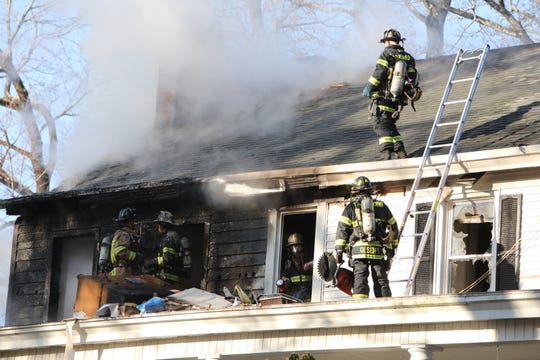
(401, 153)
(386, 154)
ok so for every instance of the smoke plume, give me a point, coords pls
(228, 80)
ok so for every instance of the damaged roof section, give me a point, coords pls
(331, 127)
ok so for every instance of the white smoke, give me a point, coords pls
(230, 81)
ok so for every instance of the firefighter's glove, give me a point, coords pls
(367, 90)
(339, 256)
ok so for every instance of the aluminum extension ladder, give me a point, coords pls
(461, 57)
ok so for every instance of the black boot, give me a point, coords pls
(386, 154)
(401, 153)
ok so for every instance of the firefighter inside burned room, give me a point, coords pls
(297, 274)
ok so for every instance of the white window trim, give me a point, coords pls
(275, 244)
(444, 232)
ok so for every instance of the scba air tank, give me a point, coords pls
(104, 252)
(368, 216)
(398, 79)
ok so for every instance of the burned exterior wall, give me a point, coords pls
(35, 245)
(237, 250)
(230, 250)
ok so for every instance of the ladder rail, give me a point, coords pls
(449, 159)
(432, 135)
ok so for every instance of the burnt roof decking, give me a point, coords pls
(331, 127)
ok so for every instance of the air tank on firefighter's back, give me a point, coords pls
(398, 79)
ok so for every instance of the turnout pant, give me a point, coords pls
(361, 273)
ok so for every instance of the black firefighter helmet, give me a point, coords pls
(361, 185)
(392, 35)
(126, 213)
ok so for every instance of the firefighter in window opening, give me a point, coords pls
(297, 273)
(367, 232)
(168, 264)
(393, 83)
(125, 257)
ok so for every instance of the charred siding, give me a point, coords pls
(237, 250)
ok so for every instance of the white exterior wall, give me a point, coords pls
(529, 272)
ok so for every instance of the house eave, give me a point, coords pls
(520, 157)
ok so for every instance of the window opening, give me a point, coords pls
(471, 247)
(304, 224)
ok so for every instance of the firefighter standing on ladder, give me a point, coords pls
(367, 231)
(386, 104)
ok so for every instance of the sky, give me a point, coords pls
(129, 42)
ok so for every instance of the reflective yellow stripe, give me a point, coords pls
(360, 296)
(405, 57)
(373, 81)
(387, 108)
(345, 220)
(385, 139)
(115, 251)
(170, 277)
(341, 242)
(300, 278)
(396, 138)
(382, 62)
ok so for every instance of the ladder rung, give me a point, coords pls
(440, 146)
(420, 212)
(423, 190)
(398, 280)
(448, 123)
(462, 80)
(471, 58)
(455, 102)
(436, 166)
(410, 257)
(412, 235)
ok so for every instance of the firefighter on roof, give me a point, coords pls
(125, 258)
(366, 231)
(168, 264)
(296, 277)
(393, 82)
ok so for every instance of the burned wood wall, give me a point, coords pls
(237, 250)
(234, 246)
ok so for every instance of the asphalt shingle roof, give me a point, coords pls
(331, 126)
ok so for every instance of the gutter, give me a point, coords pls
(519, 157)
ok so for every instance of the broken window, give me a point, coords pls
(475, 253)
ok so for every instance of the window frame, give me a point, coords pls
(276, 242)
(444, 235)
